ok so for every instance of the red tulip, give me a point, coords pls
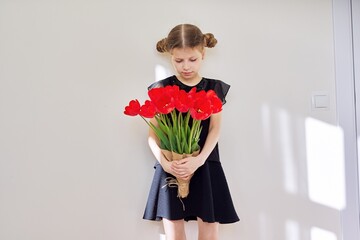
(216, 103)
(201, 109)
(133, 108)
(148, 110)
(192, 91)
(155, 93)
(172, 90)
(163, 98)
(199, 95)
(184, 101)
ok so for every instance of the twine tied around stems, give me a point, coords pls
(182, 185)
(172, 182)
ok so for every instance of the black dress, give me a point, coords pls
(209, 196)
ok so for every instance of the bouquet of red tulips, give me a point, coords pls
(178, 115)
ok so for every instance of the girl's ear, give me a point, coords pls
(203, 54)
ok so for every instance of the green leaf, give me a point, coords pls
(164, 142)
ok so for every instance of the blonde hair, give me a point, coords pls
(185, 35)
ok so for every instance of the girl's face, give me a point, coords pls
(187, 63)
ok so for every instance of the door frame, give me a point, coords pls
(346, 14)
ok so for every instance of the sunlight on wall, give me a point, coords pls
(321, 234)
(290, 175)
(325, 163)
(285, 138)
(161, 72)
(292, 230)
(162, 237)
(265, 227)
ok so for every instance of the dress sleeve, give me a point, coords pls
(155, 85)
(221, 90)
(160, 83)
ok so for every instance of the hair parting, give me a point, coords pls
(186, 35)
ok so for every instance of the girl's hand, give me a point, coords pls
(166, 165)
(184, 168)
(169, 168)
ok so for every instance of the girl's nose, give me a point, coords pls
(186, 66)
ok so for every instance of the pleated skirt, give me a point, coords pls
(209, 197)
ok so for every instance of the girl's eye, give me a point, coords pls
(178, 61)
(193, 60)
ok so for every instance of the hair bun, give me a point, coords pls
(210, 40)
(161, 45)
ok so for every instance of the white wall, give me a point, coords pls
(72, 166)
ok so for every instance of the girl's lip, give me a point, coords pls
(187, 73)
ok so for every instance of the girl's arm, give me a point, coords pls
(154, 146)
(212, 138)
(184, 168)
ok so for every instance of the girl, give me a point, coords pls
(209, 201)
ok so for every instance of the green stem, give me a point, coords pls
(193, 127)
